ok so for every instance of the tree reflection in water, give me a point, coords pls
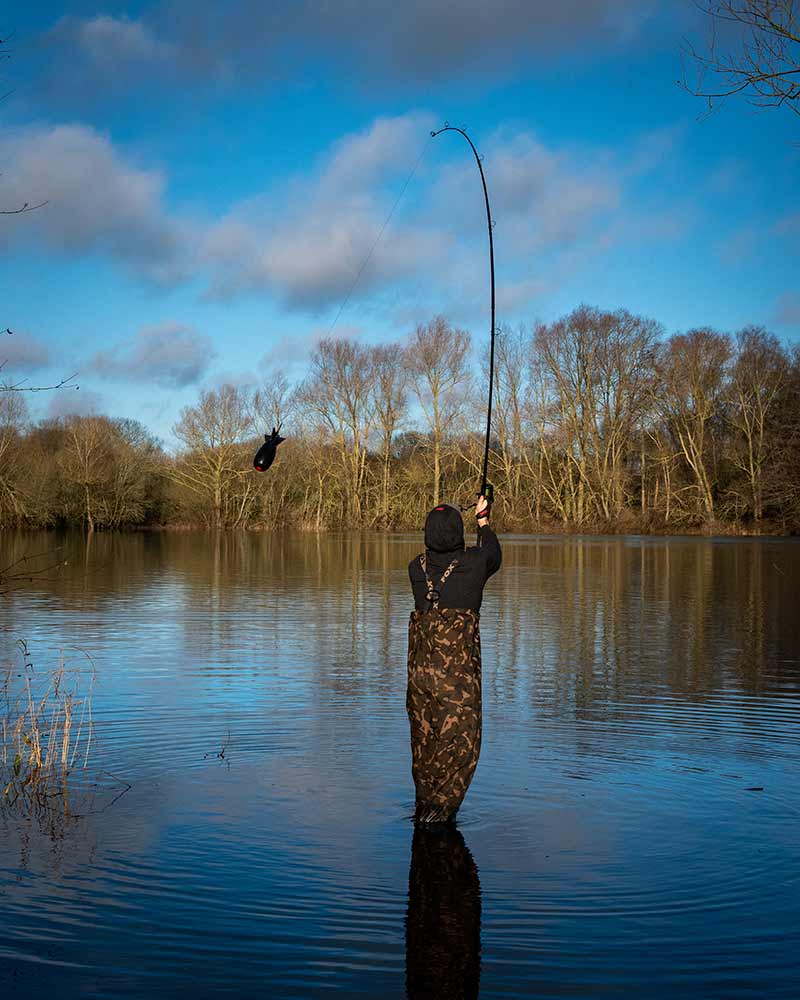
(443, 924)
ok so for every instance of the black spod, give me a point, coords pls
(265, 455)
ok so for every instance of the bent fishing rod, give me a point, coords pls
(266, 453)
(487, 490)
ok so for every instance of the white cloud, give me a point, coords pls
(95, 200)
(20, 352)
(109, 41)
(411, 45)
(653, 149)
(739, 246)
(170, 355)
(387, 147)
(309, 239)
(541, 197)
(75, 402)
(308, 243)
(787, 311)
(294, 351)
(515, 295)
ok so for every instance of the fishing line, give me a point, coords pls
(490, 226)
(372, 249)
(266, 453)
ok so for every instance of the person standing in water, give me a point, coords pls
(443, 698)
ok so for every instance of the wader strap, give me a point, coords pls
(432, 596)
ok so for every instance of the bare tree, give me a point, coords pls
(597, 421)
(511, 409)
(274, 402)
(338, 393)
(690, 393)
(781, 475)
(599, 366)
(107, 471)
(753, 49)
(757, 377)
(134, 488)
(389, 395)
(437, 360)
(213, 433)
(85, 461)
(13, 414)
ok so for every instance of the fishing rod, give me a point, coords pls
(266, 453)
(487, 490)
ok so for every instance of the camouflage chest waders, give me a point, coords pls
(443, 702)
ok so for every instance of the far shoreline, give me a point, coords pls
(717, 530)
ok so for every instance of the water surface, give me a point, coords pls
(250, 689)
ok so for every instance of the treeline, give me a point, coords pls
(601, 422)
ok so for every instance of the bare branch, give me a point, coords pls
(763, 63)
(65, 383)
(27, 568)
(23, 209)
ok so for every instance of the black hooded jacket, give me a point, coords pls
(444, 541)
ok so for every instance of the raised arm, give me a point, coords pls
(490, 546)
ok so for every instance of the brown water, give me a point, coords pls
(634, 690)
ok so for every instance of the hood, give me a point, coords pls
(444, 529)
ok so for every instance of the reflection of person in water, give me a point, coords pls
(444, 659)
(443, 926)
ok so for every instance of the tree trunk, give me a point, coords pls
(89, 518)
(436, 471)
(217, 502)
(386, 464)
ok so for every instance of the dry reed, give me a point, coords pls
(47, 728)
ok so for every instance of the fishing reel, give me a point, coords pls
(487, 494)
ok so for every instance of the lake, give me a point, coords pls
(632, 828)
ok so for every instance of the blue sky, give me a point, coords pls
(215, 175)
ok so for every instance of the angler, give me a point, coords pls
(444, 645)
(443, 698)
